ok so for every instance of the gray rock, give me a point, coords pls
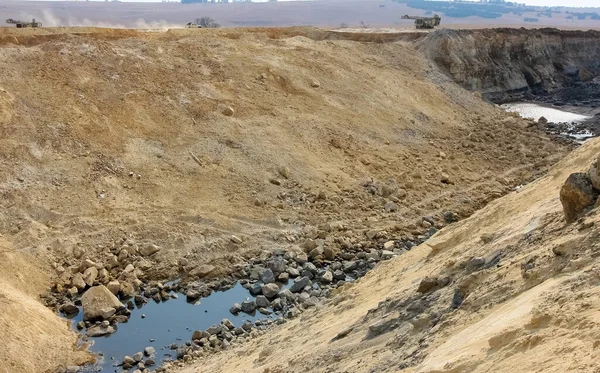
(385, 254)
(283, 277)
(128, 360)
(248, 306)
(69, 309)
(262, 301)
(310, 267)
(228, 324)
(339, 275)
(235, 309)
(97, 300)
(270, 290)
(277, 304)
(293, 272)
(299, 284)
(78, 282)
(215, 329)
(349, 266)
(149, 362)
(309, 245)
(137, 357)
(327, 277)
(192, 294)
(265, 311)
(255, 289)
(427, 284)
(149, 351)
(276, 264)
(149, 250)
(100, 330)
(199, 334)
(390, 207)
(247, 326)
(267, 276)
(114, 287)
(90, 275)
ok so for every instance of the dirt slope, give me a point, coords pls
(532, 307)
(33, 339)
(112, 140)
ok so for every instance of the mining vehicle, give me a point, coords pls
(22, 24)
(425, 22)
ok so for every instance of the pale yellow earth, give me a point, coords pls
(117, 136)
(546, 321)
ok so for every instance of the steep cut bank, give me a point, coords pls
(510, 64)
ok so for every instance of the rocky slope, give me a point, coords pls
(498, 62)
(511, 288)
(138, 156)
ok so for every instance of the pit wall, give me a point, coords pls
(498, 62)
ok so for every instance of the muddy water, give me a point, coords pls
(535, 111)
(165, 323)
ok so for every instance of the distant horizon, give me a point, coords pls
(546, 3)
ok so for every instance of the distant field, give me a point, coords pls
(325, 13)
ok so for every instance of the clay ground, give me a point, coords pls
(117, 139)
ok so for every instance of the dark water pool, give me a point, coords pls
(165, 323)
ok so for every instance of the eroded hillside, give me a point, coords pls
(116, 141)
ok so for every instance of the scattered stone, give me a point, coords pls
(248, 306)
(69, 309)
(445, 178)
(450, 217)
(78, 282)
(203, 270)
(90, 275)
(283, 277)
(114, 287)
(329, 253)
(267, 276)
(236, 240)
(427, 284)
(284, 172)
(277, 265)
(228, 324)
(309, 245)
(137, 357)
(262, 301)
(327, 277)
(389, 245)
(270, 290)
(299, 284)
(390, 207)
(192, 294)
(293, 272)
(594, 174)
(149, 351)
(215, 329)
(228, 111)
(199, 334)
(487, 238)
(386, 254)
(265, 311)
(100, 330)
(96, 300)
(576, 195)
(128, 360)
(543, 121)
(315, 84)
(149, 250)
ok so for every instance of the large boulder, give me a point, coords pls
(594, 174)
(98, 302)
(576, 195)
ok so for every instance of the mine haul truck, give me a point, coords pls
(425, 22)
(22, 24)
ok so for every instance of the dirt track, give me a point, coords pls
(100, 129)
